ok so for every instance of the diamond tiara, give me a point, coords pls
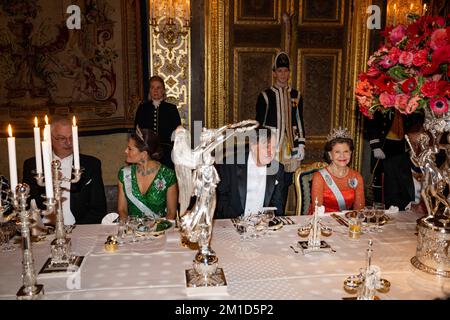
(139, 134)
(339, 133)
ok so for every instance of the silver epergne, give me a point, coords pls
(30, 290)
(61, 257)
(433, 241)
(198, 177)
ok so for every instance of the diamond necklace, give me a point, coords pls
(334, 171)
(146, 172)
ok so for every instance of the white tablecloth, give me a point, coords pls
(264, 268)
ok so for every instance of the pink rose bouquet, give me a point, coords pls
(409, 71)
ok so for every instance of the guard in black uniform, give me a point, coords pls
(281, 107)
(159, 116)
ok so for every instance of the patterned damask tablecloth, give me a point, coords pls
(264, 268)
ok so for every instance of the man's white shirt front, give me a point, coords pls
(256, 186)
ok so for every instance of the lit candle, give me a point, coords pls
(48, 135)
(170, 9)
(76, 149)
(424, 11)
(37, 146)
(46, 149)
(411, 7)
(12, 160)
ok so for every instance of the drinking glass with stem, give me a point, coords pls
(378, 208)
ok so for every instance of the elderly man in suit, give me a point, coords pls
(85, 200)
(254, 183)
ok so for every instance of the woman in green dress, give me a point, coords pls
(146, 187)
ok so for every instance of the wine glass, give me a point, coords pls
(132, 225)
(241, 226)
(121, 232)
(378, 208)
(266, 217)
(369, 213)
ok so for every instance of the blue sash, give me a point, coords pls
(334, 188)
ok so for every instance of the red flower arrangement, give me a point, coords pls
(409, 71)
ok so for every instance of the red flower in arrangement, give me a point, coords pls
(409, 71)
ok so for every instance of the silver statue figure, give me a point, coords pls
(198, 177)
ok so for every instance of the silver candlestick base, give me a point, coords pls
(308, 248)
(61, 259)
(30, 289)
(314, 229)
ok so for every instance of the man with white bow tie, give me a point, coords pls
(86, 200)
(159, 116)
(251, 181)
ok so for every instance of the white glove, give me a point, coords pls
(379, 154)
(301, 152)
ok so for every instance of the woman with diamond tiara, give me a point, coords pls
(146, 187)
(337, 187)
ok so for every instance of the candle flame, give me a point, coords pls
(395, 7)
(411, 6)
(35, 122)
(10, 130)
(46, 119)
(74, 121)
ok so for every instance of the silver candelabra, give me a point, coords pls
(30, 290)
(61, 257)
(315, 228)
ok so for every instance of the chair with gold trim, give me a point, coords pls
(303, 181)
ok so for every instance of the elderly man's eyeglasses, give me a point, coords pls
(63, 139)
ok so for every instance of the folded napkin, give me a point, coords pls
(110, 218)
(392, 209)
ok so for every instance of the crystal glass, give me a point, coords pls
(369, 213)
(122, 231)
(241, 227)
(378, 208)
(133, 223)
(266, 217)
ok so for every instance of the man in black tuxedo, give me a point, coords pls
(254, 182)
(402, 179)
(87, 201)
(159, 116)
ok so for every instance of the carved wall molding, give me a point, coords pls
(246, 80)
(327, 37)
(318, 79)
(216, 72)
(170, 58)
(357, 53)
(254, 16)
(323, 13)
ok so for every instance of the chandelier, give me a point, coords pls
(170, 12)
(404, 11)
